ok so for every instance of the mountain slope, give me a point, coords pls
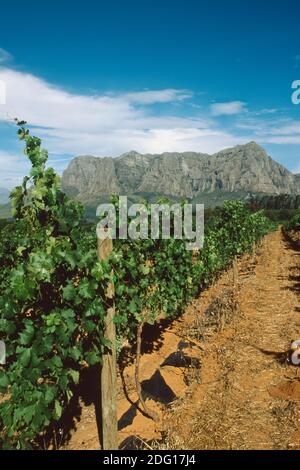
(5, 211)
(4, 195)
(244, 168)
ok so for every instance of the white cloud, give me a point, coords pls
(228, 109)
(284, 139)
(158, 96)
(277, 131)
(290, 128)
(297, 170)
(12, 169)
(45, 105)
(263, 111)
(107, 124)
(5, 56)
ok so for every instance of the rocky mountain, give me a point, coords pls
(241, 169)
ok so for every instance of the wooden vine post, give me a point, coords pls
(109, 360)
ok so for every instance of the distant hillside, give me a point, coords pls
(4, 195)
(277, 201)
(5, 211)
(231, 173)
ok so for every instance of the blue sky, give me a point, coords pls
(104, 77)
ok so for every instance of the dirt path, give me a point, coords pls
(219, 389)
(249, 397)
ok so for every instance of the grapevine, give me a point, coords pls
(52, 291)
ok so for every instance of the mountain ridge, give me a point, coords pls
(246, 168)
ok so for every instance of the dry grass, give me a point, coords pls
(246, 339)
